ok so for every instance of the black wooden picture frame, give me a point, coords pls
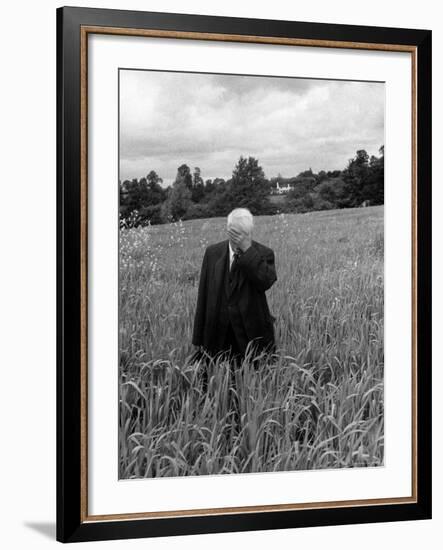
(73, 25)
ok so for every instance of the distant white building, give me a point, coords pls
(281, 189)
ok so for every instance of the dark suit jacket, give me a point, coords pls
(248, 301)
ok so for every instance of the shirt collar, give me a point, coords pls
(231, 250)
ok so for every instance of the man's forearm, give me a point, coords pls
(259, 270)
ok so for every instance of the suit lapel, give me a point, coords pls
(220, 267)
(241, 276)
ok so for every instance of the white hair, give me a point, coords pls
(241, 217)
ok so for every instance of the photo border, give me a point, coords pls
(73, 27)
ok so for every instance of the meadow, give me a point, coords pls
(319, 404)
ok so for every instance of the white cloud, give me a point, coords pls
(167, 119)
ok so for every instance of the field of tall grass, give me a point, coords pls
(319, 404)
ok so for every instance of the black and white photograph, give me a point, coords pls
(251, 274)
(218, 312)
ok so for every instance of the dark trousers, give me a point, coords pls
(231, 345)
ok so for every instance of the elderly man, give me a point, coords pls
(232, 310)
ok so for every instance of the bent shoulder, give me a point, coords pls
(216, 248)
(263, 248)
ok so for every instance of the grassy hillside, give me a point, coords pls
(319, 406)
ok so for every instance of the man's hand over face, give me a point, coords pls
(240, 238)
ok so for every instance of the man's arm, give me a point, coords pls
(258, 268)
(199, 319)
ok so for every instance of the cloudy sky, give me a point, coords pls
(289, 124)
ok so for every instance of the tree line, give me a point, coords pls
(145, 201)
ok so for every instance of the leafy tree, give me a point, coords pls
(322, 176)
(156, 192)
(140, 199)
(179, 197)
(248, 187)
(327, 191)
(197, 210)
(219, 199)
(209, 187)
(364, 179)
(134, 195)
(373, 189)
(184, 176)
(307, 174)
(334, 173)
(129, 196)
(198, 187)
(301, 186)
(354, 177)
(196, 177)
(145, 200)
